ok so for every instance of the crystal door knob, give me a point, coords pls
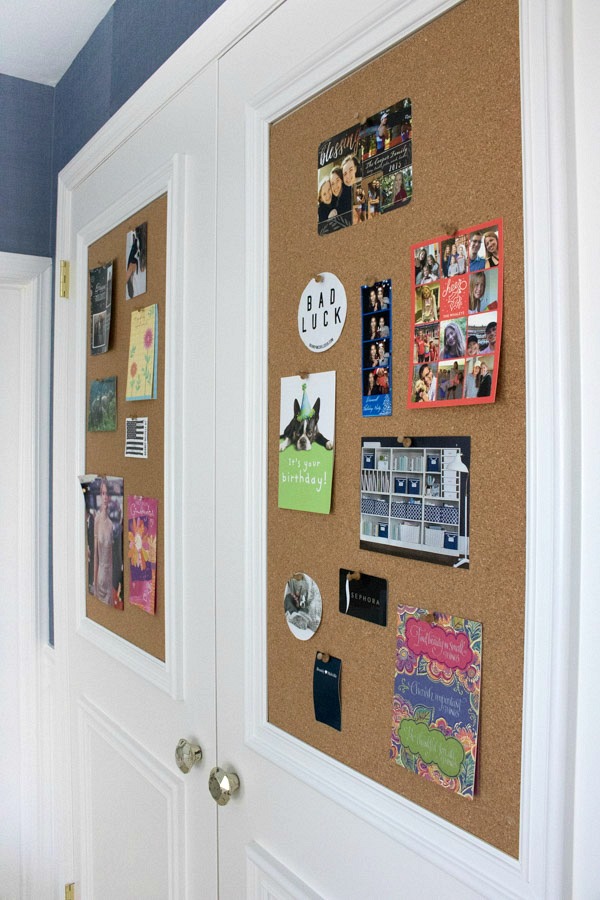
(187, 755)
(222, 785)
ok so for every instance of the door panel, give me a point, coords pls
(140, 826)
(313, 827)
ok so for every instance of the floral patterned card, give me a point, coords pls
(143, 349)
(436, 698)
(142, 517)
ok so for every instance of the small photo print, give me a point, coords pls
(427, 263)
(483, 291)
(451, 381)
(136, 253)
(453, 339)
(479, 376)
(454, 256)
(427, 303)
(424, 388)
(100, 308)
(302, 606)
(104, 537)
(365, 170)
(99, 331)
(376, 300)
(102, 410)
(476, 251)
(481, 337)
(427, 343)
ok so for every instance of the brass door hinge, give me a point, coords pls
(65, 278)
(70, 888)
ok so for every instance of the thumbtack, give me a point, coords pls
(353, 576)
(406, 441)
(319, 278)
(323, 657)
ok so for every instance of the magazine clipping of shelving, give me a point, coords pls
(414, 498)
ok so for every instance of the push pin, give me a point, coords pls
(406, 441)
(323, 657)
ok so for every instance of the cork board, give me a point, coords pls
(462, 75)
(105, 450)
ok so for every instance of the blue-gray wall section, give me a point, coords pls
(26, 111)
(42, 128)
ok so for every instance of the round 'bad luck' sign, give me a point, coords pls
(322, 312)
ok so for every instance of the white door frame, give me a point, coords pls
(31, 277)
(544, 867)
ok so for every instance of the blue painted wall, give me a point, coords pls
(42, 128)
(26, 111)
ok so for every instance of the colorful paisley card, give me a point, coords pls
(436, 698)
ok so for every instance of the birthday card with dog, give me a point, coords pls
(306, 442)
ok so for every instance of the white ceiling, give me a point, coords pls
(39, 39)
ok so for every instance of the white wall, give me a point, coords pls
(586, 53)
(10, 820)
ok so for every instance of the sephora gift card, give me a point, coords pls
(363, 596)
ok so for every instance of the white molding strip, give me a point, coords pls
(268, 879)
(225, 27)
(168, 179)
(32, 276)
(544, 864)
(94, 723)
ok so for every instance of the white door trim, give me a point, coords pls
(35, 678)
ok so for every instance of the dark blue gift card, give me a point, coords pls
(363, 596)
(326, 690)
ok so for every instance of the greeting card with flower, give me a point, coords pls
(435, 718)
(143, 350)
(142, 517)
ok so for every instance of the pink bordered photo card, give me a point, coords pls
(456, 322)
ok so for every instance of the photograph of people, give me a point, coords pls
(472, 345)
(103, 549)
(383, 354)
(374, 197)
(382, 134)
(341, 201)
(473, 379)
(370, 299)
(373, 332)
(325, 197)
(490, 243)
(483, 291)
(382, 380)
(490, 334)
(485, 381)
(136, 261)
(383, 298)
(453, 339)
(454, 383)
(476, 261)
(420, 261)
(400, 192)
(426, 374)
(427, 306)
(446, 254)
(371, 356)
(383, 329)
(371, 388)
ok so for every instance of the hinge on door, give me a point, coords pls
(70, 891)
(65, 278)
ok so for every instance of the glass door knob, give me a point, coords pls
(222, 785)
(187, 755)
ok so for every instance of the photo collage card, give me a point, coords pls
(376, 305)
(456, 317)
(365, 170)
